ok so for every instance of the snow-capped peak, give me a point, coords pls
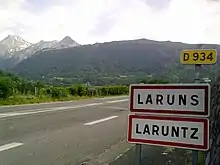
(16, 48)
(14, 42)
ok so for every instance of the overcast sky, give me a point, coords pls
(90, 21)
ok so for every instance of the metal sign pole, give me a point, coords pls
(138, 154)
(196, 80)
(198, 57)
(197, 155)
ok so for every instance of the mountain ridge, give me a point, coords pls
(100, 61)
(14, 49)
(12, 44)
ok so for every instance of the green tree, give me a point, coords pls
(158, 81)
(154, 81)
(5, 87)
(143, 81)
(40, 84)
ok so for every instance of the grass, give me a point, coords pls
(30, 99)
(19, 99)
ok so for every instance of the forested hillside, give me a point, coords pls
(109, 63)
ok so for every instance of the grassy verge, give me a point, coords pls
(30, 99)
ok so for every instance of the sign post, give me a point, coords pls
(197, 80)
(198, 57)
(138, 149)
(174, 115)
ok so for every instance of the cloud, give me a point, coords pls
(90, 21)
(38, 6)
(189, 21)
(158, 4)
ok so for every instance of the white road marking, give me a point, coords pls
(44, 110)
(9, 114)
(114, 107)
(114, 97)
(116, 101)
(101, 120)
(10, 146)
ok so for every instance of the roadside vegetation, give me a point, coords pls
(15, 90)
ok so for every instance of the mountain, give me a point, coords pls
(14, 49)
(29, 51)
(67, 42)
(109, 62)
(12, 44)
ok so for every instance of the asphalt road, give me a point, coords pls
(67, 133)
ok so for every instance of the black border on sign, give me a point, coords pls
(205, 87)
(203, 147)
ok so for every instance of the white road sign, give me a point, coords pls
(175, 99)
(179, 132)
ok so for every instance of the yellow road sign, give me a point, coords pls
(198, 56)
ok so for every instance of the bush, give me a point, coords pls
(158, 81)
(154, 81)
(78, 90)
(55, 92)
(114, 90)
(72, 91)
(104, 91)
(5, 88)
(81, 90)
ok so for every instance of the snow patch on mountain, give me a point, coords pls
(17, 49)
